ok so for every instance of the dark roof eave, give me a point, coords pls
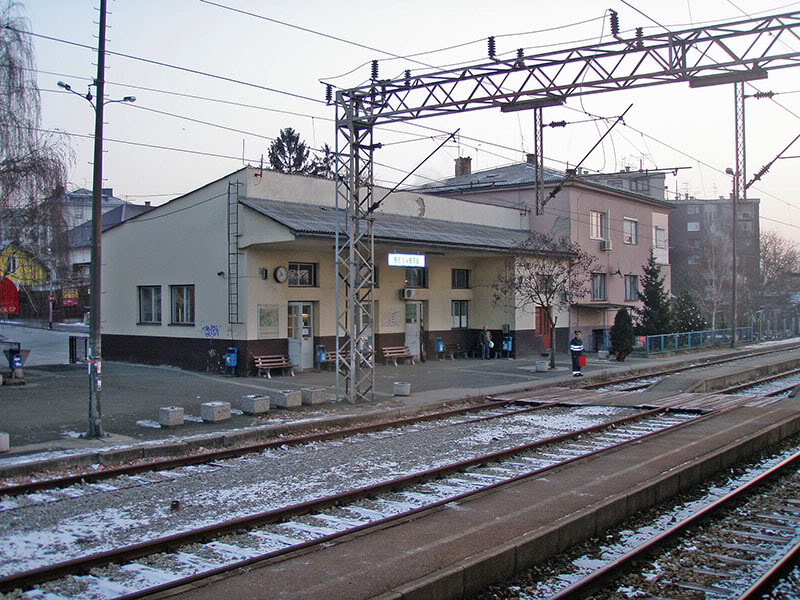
(415, 243)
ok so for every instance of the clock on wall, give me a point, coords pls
(280, 274)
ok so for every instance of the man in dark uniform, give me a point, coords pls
(576, 350)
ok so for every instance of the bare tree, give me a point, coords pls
(711, 284)
(33, 164)
(547, 272)
(779, 259)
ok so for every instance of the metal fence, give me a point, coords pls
(689, 340)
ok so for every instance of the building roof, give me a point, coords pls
(309, 219)
(523, 175)
(81, 236)
(507, 176)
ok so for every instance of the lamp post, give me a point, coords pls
(735, 177)
(95, 354)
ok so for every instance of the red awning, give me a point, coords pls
(9, 297)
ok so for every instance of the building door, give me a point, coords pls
(301, 334)
(413, 319)
(543, 327)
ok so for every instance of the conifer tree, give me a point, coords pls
(288, 153)
(621, 335)
(654, 316)
(686, 315)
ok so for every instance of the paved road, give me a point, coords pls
(47, 347)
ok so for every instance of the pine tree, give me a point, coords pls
(621, 335)
(686, 315)
(288, 153)
(654, 316)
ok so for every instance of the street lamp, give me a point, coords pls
(735, 194)
(95, 353)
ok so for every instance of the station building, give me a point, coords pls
(618, 217)
(248, 261)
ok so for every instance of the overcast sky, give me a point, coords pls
(669, 126)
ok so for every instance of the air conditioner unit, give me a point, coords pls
(605, 245)
(407, 294)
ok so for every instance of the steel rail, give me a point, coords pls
(681, 369)
(609, 571)
(171, 463)
(744, 386)
(128, 553)
(765, 583)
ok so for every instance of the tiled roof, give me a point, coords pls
(509, 175)
(311, 219)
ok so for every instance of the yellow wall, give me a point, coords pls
(28, 270)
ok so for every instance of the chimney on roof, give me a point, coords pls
(147, 202)
(530, 159)
(463, 166)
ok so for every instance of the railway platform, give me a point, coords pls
(454, 551)
(46, 418)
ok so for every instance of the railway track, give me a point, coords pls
(161, 563)
(636, 383)
(734, 540)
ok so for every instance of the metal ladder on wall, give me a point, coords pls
(233, 252)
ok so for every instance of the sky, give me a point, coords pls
(187, 128)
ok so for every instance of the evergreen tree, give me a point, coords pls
(686, 315)
(323, 164)
(654, 317)
(288, 153)
(621, 335)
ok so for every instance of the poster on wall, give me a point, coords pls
(69, 297)
(267, 321)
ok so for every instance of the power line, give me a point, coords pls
(168, 65)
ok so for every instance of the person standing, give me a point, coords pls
(423, 355)
(486, 343)
(576, 350)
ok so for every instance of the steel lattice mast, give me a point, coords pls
(710, 55)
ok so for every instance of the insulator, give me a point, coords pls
(614, 23)
(557, 124)
(328, 93)
(374, 69)
(491, 46)
(408, 77)
(763, 95)
(520, 53)
(639, 35)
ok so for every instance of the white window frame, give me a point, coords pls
(630, 237)
(181, 297)
(151, 305)
(631, 288)
(297, 270)
(599, 286)
(659, 237)
(693, 226)
(459, 312)
(598, 225)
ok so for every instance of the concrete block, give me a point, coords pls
(313, 396)
(491, 566)
(3, 442)
(254, 405)
(170, 416)
(287, 399)
(214, 412)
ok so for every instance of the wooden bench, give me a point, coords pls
(394, 352)
(267, 363)
(450, 351)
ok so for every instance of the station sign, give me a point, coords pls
(407, 260)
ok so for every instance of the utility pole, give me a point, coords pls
(95, 350)
(95, 353)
